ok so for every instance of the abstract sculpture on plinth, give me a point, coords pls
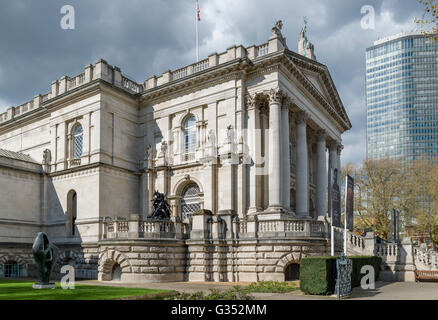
(45, 254)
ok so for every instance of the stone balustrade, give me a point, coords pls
(425, 259)
(286, 227)
(135, 228)
(102, 70)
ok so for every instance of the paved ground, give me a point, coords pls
(383, 291)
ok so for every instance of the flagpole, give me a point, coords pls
(197, 39)
(345, 211)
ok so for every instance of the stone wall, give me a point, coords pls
(234, 261)
(146, 260)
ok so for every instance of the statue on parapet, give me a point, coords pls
(160, 207)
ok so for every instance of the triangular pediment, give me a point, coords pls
(317, 83)
(318, 77)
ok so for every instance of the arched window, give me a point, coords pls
(190, 135)
(72, 205)
(190, 202)
(77, 142)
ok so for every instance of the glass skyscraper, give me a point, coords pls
(402, 98)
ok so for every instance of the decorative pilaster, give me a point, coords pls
(302, 176)
(321, 178)
(275, 145)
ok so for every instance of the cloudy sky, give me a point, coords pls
(147, 37)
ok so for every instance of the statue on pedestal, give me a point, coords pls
(45, 254)
(160, 207)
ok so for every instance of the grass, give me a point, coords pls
(22, 290)
(273, 287)
(238, 292)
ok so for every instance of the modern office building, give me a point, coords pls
(402, 98)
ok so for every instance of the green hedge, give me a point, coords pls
(358, 262)
(318, 274)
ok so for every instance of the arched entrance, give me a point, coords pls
(292, 272)
(117, 272)
(190, 201)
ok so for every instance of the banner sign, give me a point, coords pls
(349, 202)
(336, 201)
(344, 268)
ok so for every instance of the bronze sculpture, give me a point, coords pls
(45, 254)
(160, 207)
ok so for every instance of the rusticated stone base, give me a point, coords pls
(247, 261)
(143, 260)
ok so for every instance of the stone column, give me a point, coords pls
(332, 165)
(302, 175)
(286, 155)
(275, 145)
(321, 178)
(255, 156)
(338, 163)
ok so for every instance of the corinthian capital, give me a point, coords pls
(251, 101)
(322, 135)
(275, 95)
(340, 148)
(302, 117)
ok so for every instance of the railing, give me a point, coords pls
(119, 228)
(75, 162)
(263, 49)
(425, 258)
(200, 66)
(180, 73)
(76, 81)
(305, 228)
(45, 97)
(387, 249)
(185, 157)
(131, 85)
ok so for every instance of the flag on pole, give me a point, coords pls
(198, 11)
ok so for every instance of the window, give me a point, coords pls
(77, 142)
(190, 202)
(12, 269)
(72, 205)
(190, 135)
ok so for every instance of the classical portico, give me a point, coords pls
(275, 167)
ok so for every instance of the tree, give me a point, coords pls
(383, 185)
(429, 18)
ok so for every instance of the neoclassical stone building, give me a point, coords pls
(242, 144)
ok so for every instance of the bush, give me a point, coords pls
(318, 274)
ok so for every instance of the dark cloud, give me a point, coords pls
(148, 37)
